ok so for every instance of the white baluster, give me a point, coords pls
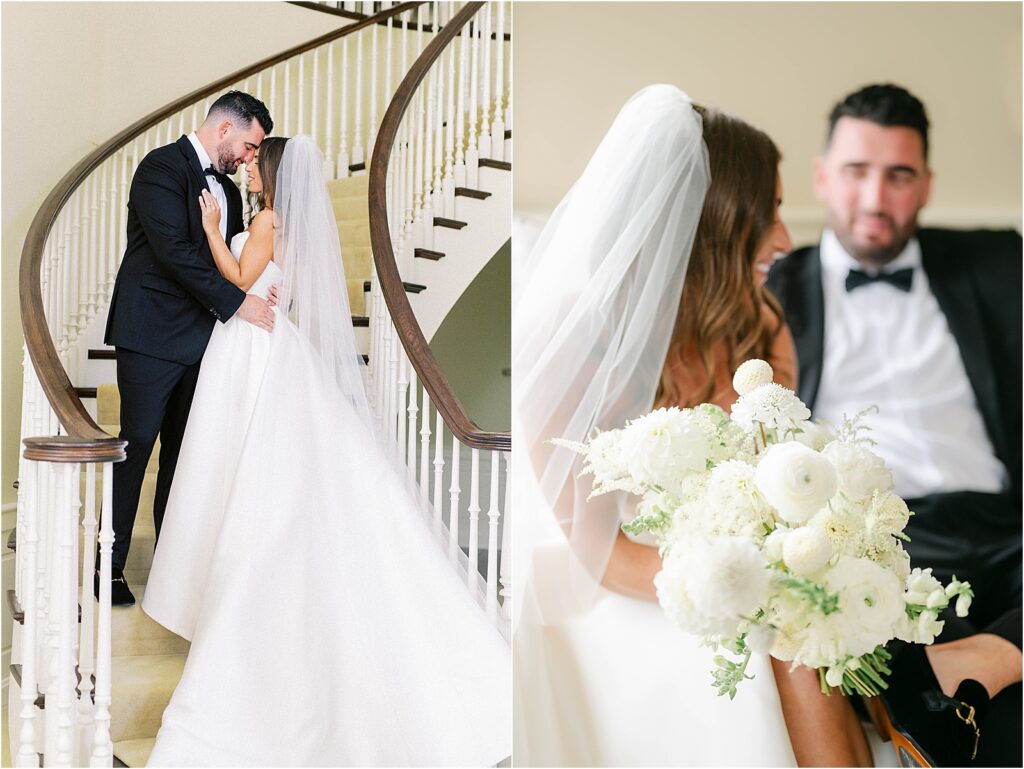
(70, 324)
(506, 545)
(472, 150)
(437, 172)
(342, 160)
(286, 117)
(393, 385)
(273, 101)
(113, 239)
(474, 519)
(97, 278)
(448, 184)
(67, 525)
(493, 515)
(410, 451)
(28, 542)
(103, 748)
(403, 398)
(498, 123)
(484, 144)
(420, 137)
(425, 456)
(302, 94)
(86, 664)
(438, 472)
(453, 509)
(329, 112)
(357, 131)
(465, 46)
(374, 85)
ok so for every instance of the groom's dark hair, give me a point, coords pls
(244, 108)
(886, 105)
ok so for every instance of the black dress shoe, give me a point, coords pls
(120, 594)
(927, 727)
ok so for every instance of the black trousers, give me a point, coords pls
(156, 396)
(977, 537)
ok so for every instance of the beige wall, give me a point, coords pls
(74, 74)
(781, 66)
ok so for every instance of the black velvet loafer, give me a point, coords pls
(120, 593)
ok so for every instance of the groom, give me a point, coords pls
(169, 294)
(926, 325)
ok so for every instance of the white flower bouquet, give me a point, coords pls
(777, 535)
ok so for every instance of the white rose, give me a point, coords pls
(751, 375)
(806, 550)
(795, 480)
(771, 405)
(861, 472)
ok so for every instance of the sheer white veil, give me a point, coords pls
(313, 292)
(594, 307)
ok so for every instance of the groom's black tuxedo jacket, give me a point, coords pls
(168, 292)
(976, 279)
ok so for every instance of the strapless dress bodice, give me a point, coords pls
(271, 273)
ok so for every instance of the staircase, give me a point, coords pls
(438, 180)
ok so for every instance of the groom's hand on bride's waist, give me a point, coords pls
(257, 311)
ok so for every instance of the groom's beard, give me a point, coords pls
(872, 255)
(227, 163)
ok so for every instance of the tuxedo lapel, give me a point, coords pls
(954, 291)
(808, 326)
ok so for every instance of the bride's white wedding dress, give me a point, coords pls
(327, 627)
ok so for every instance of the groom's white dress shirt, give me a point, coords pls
(211, 181)
(894, 349)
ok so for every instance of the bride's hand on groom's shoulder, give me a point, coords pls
(211, 211)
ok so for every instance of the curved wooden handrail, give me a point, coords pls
(408, 327)
(81, 430)
(410, 25)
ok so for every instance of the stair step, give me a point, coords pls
(508, 133)
(13, 607)
(412, 288)
(501, 165)
(134, 752)
(360, 321)
(85, 392)
(353, 234)
(454, 224)
(349, 187)
(104, 354)
(40, 701)
(355, 168)
(135, 633)
(142, 687)
(350, 207)
(426, 253)
(468, 192)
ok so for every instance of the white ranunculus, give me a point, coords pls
(751, 375)
(861, 471)
(775, 542)
(870, 604)
(665, 446)
(806, 551)
(771, 405)
(795, 480)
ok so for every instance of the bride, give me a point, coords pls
(327, 627)
(605, 327)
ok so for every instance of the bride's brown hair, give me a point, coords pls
(271, 151)
(722, 303)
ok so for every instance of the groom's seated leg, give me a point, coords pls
(145, 385)
(172, 429)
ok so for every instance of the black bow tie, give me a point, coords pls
(222, 178)
(901, 279)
